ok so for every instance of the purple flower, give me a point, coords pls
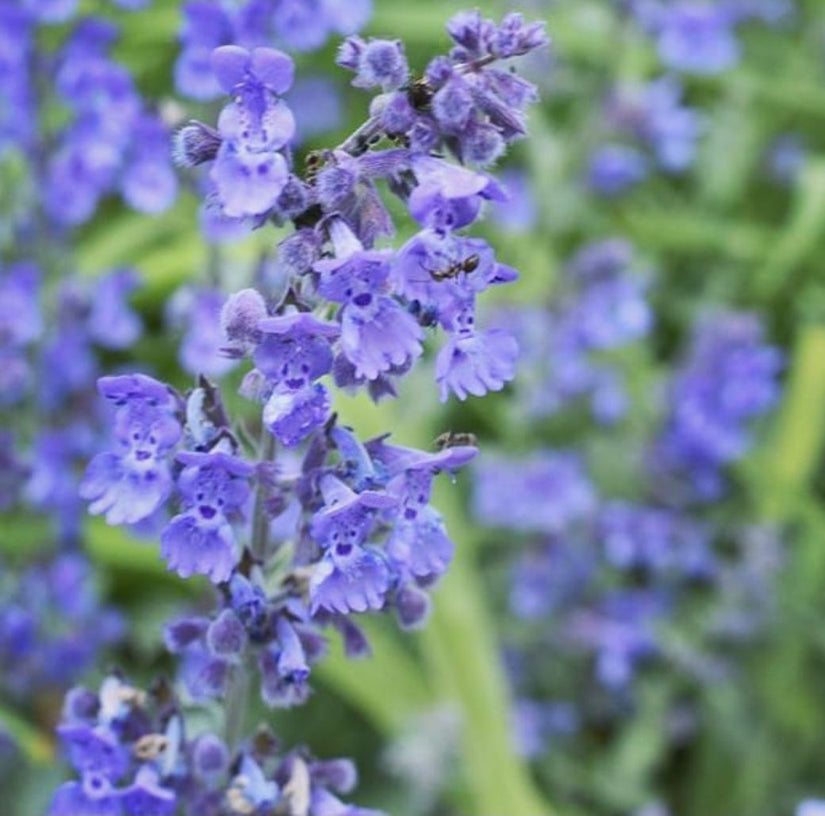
(130, 483)
(697, 37)
(251, 790)
(520, 211)
(20, 319)
(94, 796)
(349, 578)
(198, 311)
(294, 351)
(421, 548)
(52, 626)
(112, 323)
(317, 105)
(377, 335)
(616, 168)
(653, 113)
(473, 362)
(346, 517)
(206, 26)
(376, 63)
(729, 379)
(284, 669)
(449, 196)
(214, 488)
(250, 172)
(546, 492)
(148, 182)
(292, 415)
(147, 795)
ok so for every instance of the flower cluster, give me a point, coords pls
(382, 299)
(633, 575)
(112, 142)
(603, 307)
(652, 117)
(106, 140)
(195, 312)
(355, 520)
(20, 326)
(312, 525)
(51, 364)
(729, 379)
(53, 626)
(607, 586)
(133, 753)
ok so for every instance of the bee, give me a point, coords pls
(315, 160)
(453, 439)
(467, 265)
(420, 94)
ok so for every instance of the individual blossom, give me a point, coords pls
(349, 577)
(472, 361)
(376, 333)
(295, 25)
(250, 170)
(130, 482)
(294, 351)
(213, 490)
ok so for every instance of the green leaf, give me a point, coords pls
(781, 472)
(37, 747)
(798, 238)
(389, 688)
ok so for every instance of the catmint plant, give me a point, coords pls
(311, 525)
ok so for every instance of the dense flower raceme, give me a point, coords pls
(314, 525)
(108, 140)
(50, 347)
(564, 351)
(134, 755)
(464, 105)
(351, 522)
(52, 627)
(618, 578)
(729, 379)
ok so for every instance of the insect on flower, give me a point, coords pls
(467, 265)
(454, 439)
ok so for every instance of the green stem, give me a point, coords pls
(260, 519)
(237, 702)
(459, 644)
(782, 473)
(36, 745)
(798, 239)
